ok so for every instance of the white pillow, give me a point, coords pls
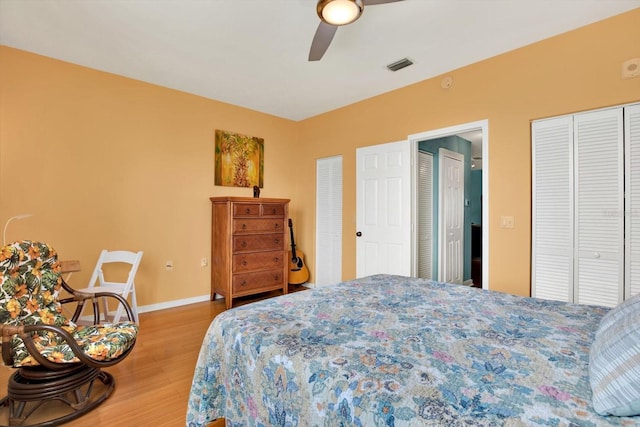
(614, 361)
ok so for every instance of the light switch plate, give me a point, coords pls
(507, 222)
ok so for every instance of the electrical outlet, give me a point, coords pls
(168, 265)
(204, 262)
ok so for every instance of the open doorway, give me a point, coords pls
(471, 141)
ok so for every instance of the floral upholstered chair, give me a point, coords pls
(56, 359)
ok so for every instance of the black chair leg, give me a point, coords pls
(31, 389)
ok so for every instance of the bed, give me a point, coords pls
(395, 351)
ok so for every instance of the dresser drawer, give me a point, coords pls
(261, 279)
(258, 242)
(272, 209)
(257, 261)
(246, 209)
(251, 225)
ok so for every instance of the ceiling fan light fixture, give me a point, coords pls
(339, 12)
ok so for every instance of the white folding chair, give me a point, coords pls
(97, 283)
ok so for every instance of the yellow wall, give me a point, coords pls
(108, 162)
(104, 161)
(576, 71)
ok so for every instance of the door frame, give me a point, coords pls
(414, 139)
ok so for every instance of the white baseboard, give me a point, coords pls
(173, 304)
(177, 303)
(156, 307)
(187, 301)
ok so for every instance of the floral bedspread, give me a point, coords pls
(395, 351)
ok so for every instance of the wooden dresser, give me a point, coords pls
(248, 246)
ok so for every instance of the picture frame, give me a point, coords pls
(239, 160)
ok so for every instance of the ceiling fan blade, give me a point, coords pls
(375, 2)
(321, 41)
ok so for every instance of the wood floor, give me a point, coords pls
(152, 384)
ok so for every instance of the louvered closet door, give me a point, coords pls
(328, 221)
(552, 209)
(632, 208)
(425, 215)
(599, 207)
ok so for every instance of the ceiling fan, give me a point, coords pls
(335, 13)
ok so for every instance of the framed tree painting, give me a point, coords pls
(239, 160)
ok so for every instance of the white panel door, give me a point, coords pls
(632, 207)
(552, 209)
(599, 207)
(383, 209)
(425, 215)
(328, 268)
(451, 219)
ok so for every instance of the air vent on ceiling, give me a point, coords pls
(399, 65)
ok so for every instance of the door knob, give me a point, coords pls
(359, 233)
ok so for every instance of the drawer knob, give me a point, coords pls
(243, 283)
(244, 262)
(248, 211)
(244, 226)
(276, 277)
(273, 211)
(276, 259)
(277, 225)
(276, 241)
(243, 244)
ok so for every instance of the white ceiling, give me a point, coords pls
(253, 53)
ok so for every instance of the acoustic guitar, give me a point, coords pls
(298, 271)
